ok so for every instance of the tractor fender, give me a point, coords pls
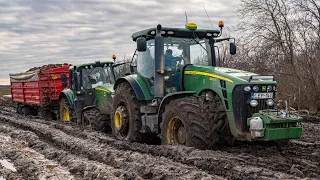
(138, 85)
(88, 107)
(69, 94)
(170, 97)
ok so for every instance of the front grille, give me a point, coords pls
(242, 109)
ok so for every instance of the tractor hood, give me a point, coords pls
(227, 74)
(106, 88)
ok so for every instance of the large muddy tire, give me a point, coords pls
(192, 122)
(225, 136)
(93, 119)
(65, 110)
(126, 117)
(19, 109)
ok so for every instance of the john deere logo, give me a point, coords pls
(264, 88)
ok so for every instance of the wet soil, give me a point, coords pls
(84, 154)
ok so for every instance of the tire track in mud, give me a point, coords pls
(23, 168)
(267, 155)
(230, 165)
(77, 165)
(163, 153)
(27, 163)
(299, 159)
(144, 165)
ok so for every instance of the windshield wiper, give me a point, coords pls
(200, 44)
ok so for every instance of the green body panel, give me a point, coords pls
(139, 85)
(104, 98)
(144, 87)
(70, 95)
(276, 127)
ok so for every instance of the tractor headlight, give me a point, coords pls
(274, 88)
(247, 88)
(254, 103)
(255, 88)
(270, 102)
(269, 88)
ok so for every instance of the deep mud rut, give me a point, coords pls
(40, 149)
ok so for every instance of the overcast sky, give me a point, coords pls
(38, 32)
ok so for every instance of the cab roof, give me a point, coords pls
(93, 64)
(176, 32)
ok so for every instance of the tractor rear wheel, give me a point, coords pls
(192, 122)
(126, 119)
(65, 110)
(93, 119)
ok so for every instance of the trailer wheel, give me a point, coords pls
(19, 109)
(27, 110)
(192, 122)
(46, 114)
(93, 119)
(65, 110)
(126, 119)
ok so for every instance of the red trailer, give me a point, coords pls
(37, 91)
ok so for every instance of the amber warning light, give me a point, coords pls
(114, 57)
(221, 24)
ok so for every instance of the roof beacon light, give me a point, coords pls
(191, 26)
(221, 24)
(114, 57)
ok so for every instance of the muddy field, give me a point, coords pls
(34, 148)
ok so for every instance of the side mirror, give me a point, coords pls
(233, 48)
(141, 44)
(63, 78)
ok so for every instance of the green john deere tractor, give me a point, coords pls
(179, 95)
(88, 100)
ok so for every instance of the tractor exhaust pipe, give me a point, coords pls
(159, 64)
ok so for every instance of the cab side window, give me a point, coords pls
(85, 79)
(109, 75)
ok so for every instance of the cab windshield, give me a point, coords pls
(177, 53)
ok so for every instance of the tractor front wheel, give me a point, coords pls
(126, 119)
(190, 121)
(93, 119)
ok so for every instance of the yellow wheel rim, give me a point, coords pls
(117, 120)
(65, 114)
(175, 131)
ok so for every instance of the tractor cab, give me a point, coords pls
(178, 52)
(91, 88)
(177, 48)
